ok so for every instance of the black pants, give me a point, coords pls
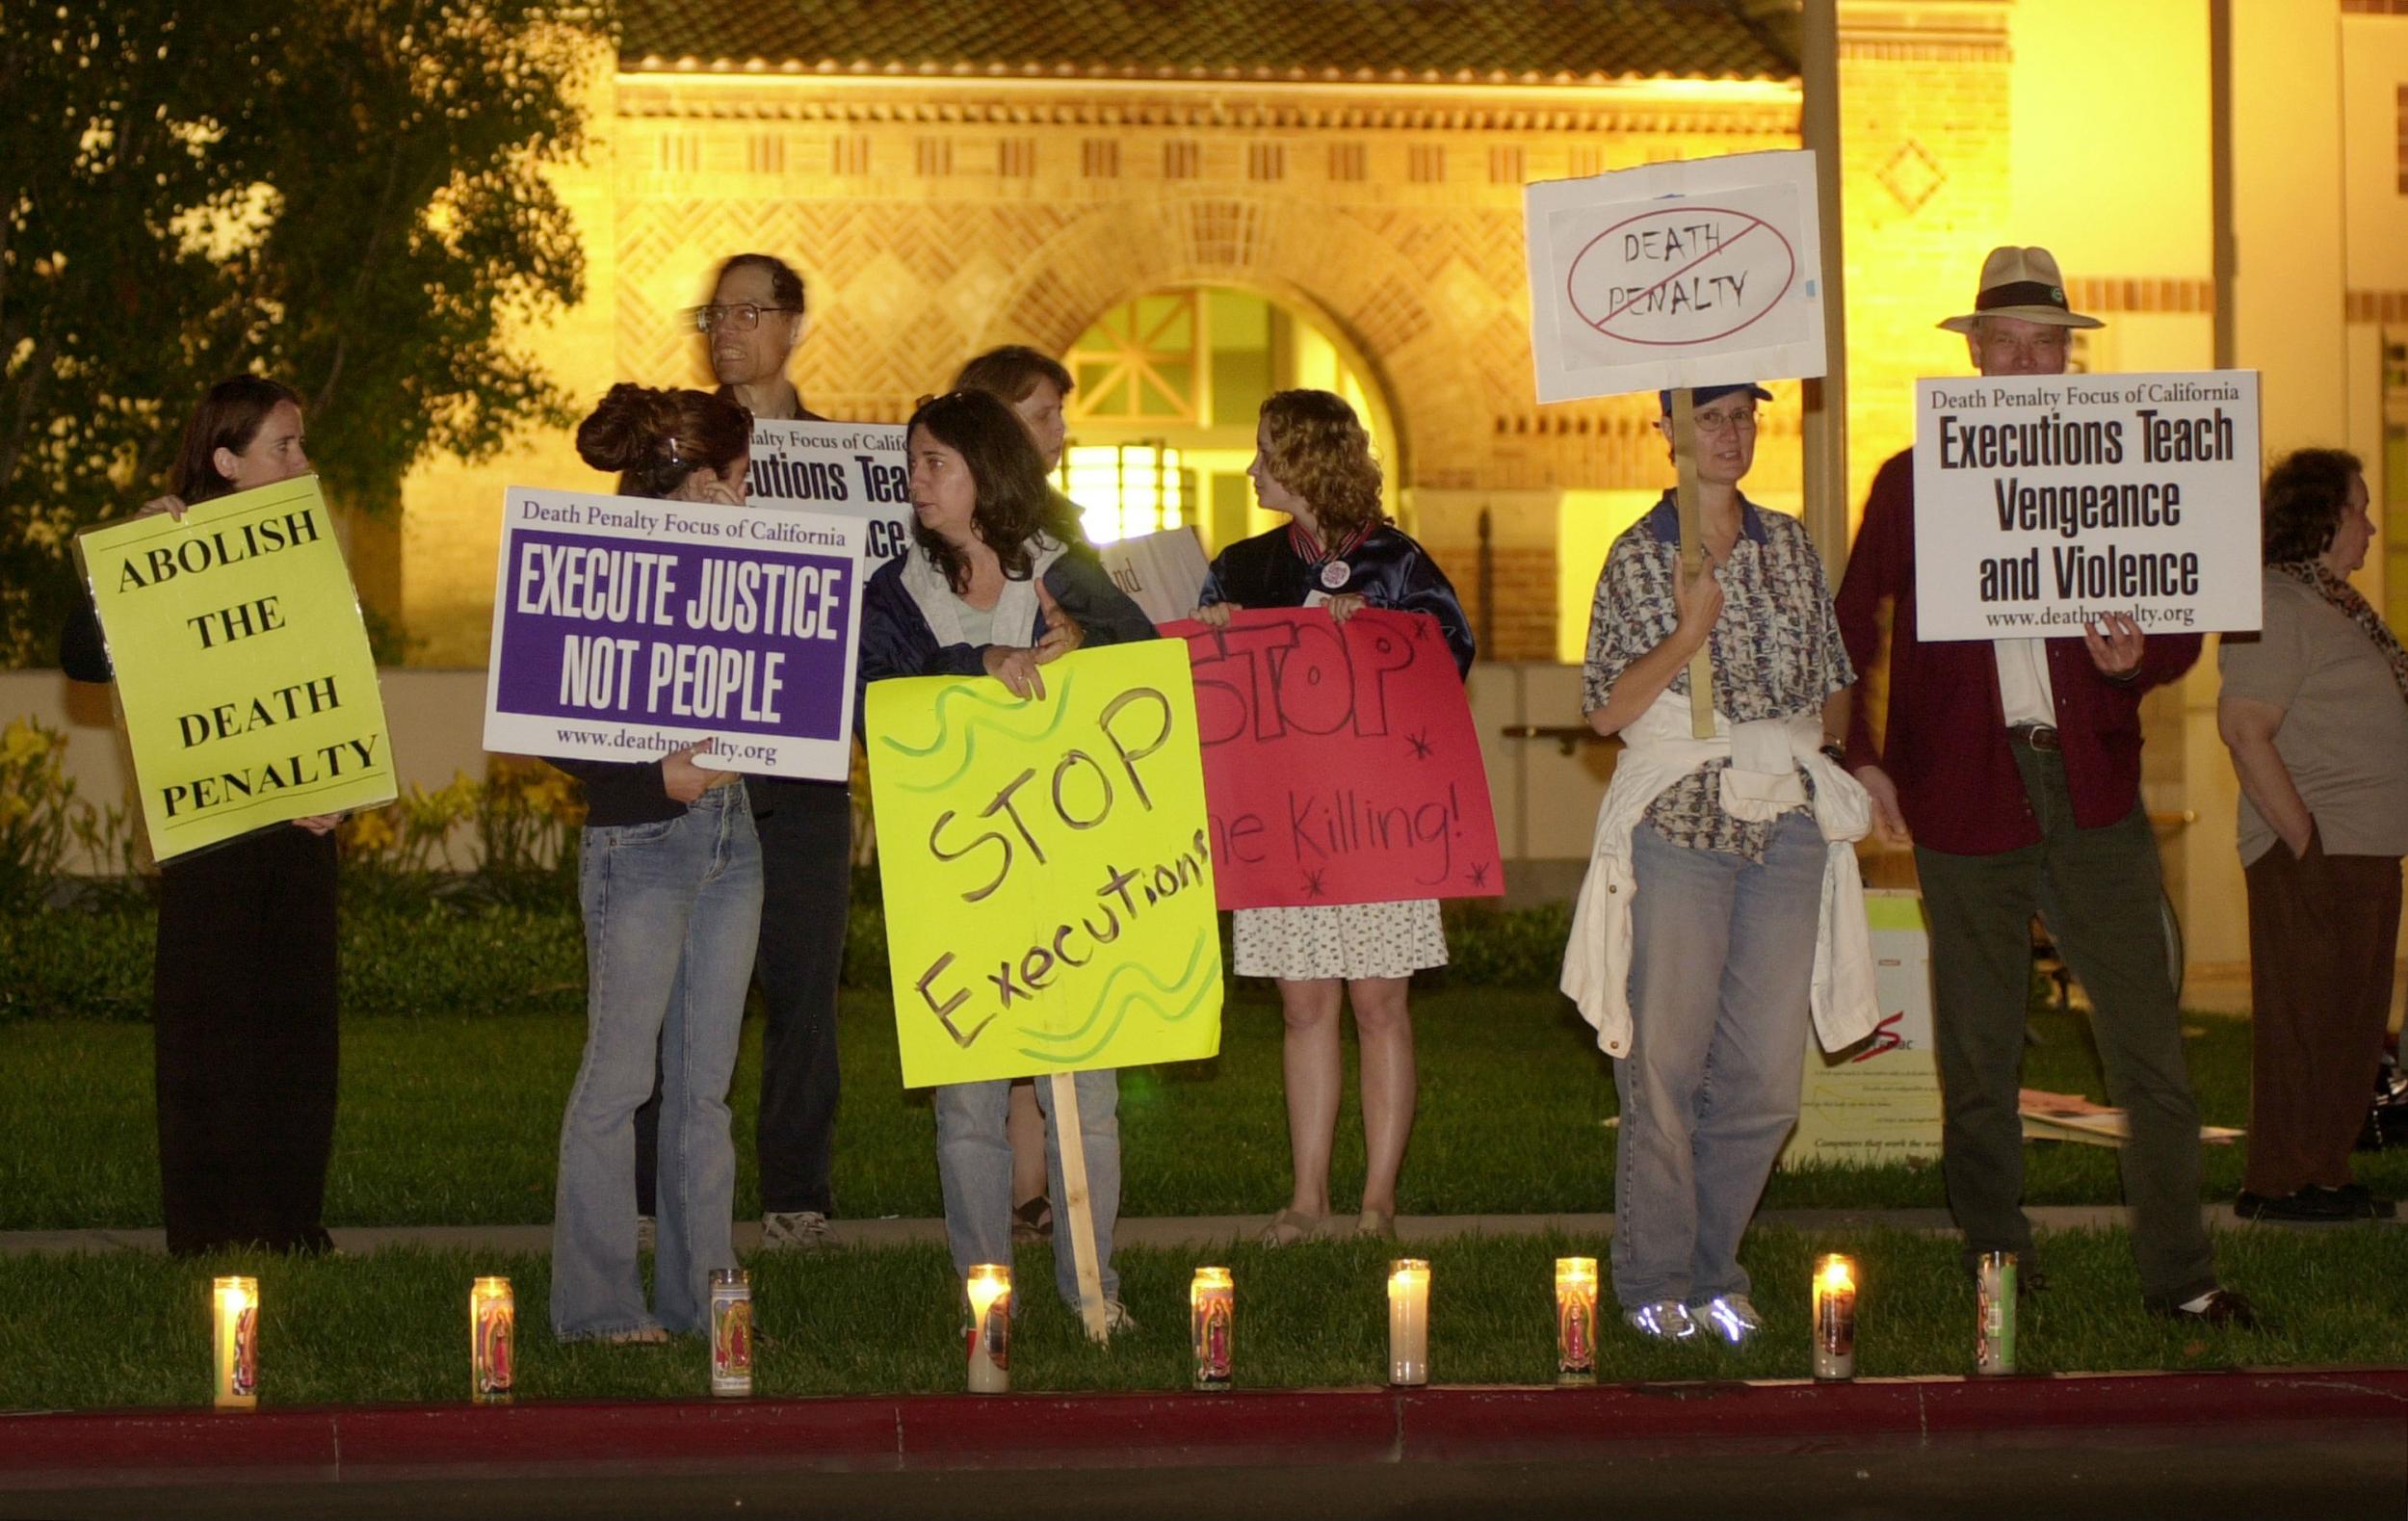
(806, 872)
(243, 1008)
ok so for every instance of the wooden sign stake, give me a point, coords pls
(1693, 563)
(1072, 1143)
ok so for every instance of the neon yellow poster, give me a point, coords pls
(243, 674)
(1049, 892)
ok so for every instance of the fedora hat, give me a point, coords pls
(2022, 284)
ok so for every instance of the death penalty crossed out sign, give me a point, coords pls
(1339, 760)
(627, 627)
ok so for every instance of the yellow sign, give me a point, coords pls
(1049, 894)
(243, 674)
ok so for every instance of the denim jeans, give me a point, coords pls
(1722, 960)
(974, 1165)
(673, 911)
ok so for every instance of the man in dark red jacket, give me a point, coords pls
(2015, 764)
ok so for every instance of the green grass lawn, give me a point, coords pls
(130, 1330)
(454, 1119)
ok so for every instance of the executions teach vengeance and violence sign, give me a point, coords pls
(2046, 502)
(244, 677)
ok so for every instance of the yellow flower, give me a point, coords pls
(24, 739)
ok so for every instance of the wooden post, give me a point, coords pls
(1072, 1143)
(1824, 425)
(1693, 562)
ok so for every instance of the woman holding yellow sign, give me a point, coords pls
(998, 583)
(242, 991)
(669, 883)
(1313, 461)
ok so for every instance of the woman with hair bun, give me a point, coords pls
(242, 987)
(1313, 461)
(669, 885)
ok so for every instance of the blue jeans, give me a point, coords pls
(1723, 959)
(673, 911)
(974, 1165)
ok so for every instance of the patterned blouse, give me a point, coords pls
(1776, 648)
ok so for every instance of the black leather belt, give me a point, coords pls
(2036, 736)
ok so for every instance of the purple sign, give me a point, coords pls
(623, 628)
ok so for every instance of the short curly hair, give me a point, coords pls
(1320, 451)
(2303, 500)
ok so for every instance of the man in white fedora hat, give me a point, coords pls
(2014, 767)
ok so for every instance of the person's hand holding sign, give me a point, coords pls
(1216, 616)
(2117, 654)
(1015, 667)
(684, 780)
(1062, 632)
(1345, 604)
(1698, 601)
(170, 504)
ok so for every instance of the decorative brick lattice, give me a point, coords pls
(1912, 175)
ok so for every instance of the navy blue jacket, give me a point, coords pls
(1387, 570)
(896, 640)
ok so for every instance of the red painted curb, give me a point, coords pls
(930, 1432)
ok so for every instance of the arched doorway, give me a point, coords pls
(1161, 418)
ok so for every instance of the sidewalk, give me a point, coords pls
(1162, 1231)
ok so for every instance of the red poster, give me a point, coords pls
(1339, 766)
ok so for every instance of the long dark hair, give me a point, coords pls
(229, 417)
(2305, 495)
(655, 439)
(1013, 503)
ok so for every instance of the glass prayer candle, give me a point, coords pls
(235, 1342)
(1212, 1316)
(1575, 1320)
(990, 1329)
(492, 1340)
(1408, 1321)
(1835, 1317)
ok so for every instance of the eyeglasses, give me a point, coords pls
(1741, 421)
(742, 317)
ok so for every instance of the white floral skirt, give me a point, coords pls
(1347, 941)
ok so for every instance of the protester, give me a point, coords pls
(2015, 764)
(669, 882)
(751, 327)
(989, 588)
(1313, 462)
(2314, 710)
(244, 1030)
(1722, 878)
(1034, 385)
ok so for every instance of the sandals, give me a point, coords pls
(1032, 1222)
(1290, 1226)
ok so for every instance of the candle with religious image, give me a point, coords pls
(731, 1332)
(492, 1340)
(1212, 1313)
(990, 1329)
(234, 1340)
(1575, 1320)
(1835, 1317)
(1408, 1321)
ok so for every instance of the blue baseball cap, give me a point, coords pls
(1700, 395)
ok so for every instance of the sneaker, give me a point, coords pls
(1117, 1320)
(2220, 1308)
(2309, 1206)
(647, 1233)
(1666, 1319)
(795, 1230)
(2362, 1202)
(1729, 1316)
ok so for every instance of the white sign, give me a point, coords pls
(851, 469)
(2044, 502)
(1878, 1101)
(1701, 272)
(1162, 573)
